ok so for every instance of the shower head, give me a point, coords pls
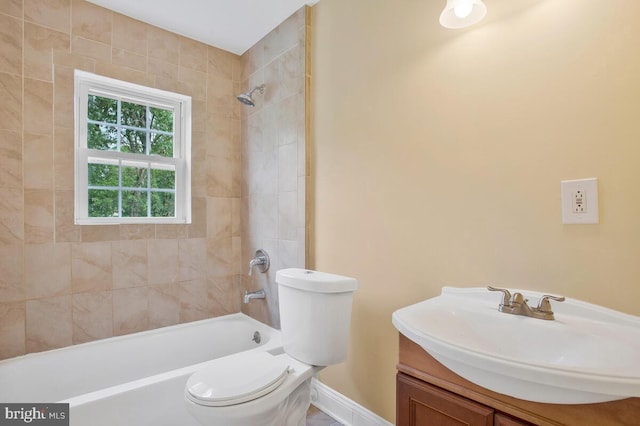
(246, 98)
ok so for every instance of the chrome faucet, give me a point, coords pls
(516, 304)
(260, 294)
(261, 260)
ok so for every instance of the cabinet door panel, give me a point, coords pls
(421, 404)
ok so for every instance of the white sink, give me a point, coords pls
(588, 354)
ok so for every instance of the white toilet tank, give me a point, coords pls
(315, 314)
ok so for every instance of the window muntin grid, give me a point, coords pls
(142, 182)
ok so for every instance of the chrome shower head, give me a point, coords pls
(246, 98)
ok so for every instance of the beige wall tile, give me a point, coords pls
(193, 83)
(164, 305)
(163, 45)
(288, 167)
(165, 83)
(193, 298)
(39, 44)
(219, 258)
(38, 161)
(252, 60)
(130, 310)
(47, 270)
(291, 68)
(287, 215)
(90, 21)
(218, 218)
(220, 138)
(12, 329)
(193, 54)
(220, 63)
(236, 253)
(11, 106)
(11, 273)
(11, 7)
(192, 259)
(129, 259)
(10, 159)
(288, 119)
(137, 231)
(198, 227)
(96, 233)
(11, 216)
(236, 223)
(65, 229)
(198, 116)
(92, 316)
(129, 34)
(163, 261)
(54, 14)
(163, 68)
(199, 164)
(128, 59)
(220, 95)
(48, 323)
(122, 73)
(38, 216)
(273, 92)
(91, 49)
(38, 106)
(11, 46)
(225, 295)
(63, 97)
(172, 231)
(67, 59)
(63, 156)
(90, 267)
(219, 177)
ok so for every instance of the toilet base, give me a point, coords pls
(291, 411)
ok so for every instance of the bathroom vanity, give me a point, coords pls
(428, 393)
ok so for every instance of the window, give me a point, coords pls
(132, 153)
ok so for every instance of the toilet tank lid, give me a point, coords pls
(314, 281)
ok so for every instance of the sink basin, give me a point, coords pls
(588, 354)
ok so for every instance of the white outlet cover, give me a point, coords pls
(589, 188)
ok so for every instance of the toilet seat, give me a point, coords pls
(237, 379)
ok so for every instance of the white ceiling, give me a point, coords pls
(232, 25)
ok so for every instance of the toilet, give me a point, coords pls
(264, 388)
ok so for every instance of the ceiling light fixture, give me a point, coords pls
(462, 13)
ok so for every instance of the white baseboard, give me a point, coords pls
(341, 408)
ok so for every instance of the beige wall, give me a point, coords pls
(437, 157)
(274, 159)
(62, 284)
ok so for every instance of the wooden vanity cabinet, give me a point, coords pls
(430, 394)
(421, 404)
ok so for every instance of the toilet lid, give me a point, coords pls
(236, 379)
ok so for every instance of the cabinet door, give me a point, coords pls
(504, 420)
(421, 404)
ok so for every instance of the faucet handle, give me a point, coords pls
(544, 305)
(506, 295)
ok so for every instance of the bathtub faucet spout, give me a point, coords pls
(260, 294)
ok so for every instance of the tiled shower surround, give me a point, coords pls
(62, 284)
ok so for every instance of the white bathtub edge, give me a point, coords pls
(341, 408)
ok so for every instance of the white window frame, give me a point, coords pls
(88, 83)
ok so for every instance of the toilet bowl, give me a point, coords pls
(263, 388)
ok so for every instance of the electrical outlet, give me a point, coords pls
(579, 201)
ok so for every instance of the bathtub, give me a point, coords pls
(137, 379)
